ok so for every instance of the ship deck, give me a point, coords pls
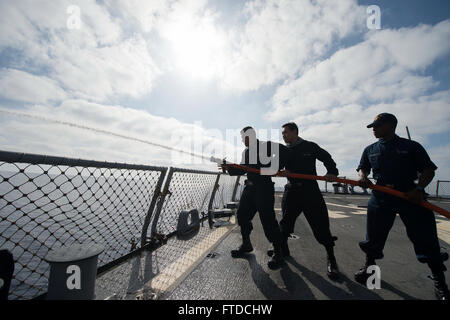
(205, 269)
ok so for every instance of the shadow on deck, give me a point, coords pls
(207, 271)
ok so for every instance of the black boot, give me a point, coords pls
(284, 249)
(332, 268)
(277, 259)
(245, 247)
(440, 286)
(361, 276)
(437, 268)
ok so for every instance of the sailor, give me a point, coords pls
(305, 196)
(395, 163)
(258, 194)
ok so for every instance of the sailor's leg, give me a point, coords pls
(265, 206)
(291, 209)
(246, 211)
(316, 213)
(6, 273)
(265, 200)
(421, 229)
(380, 218)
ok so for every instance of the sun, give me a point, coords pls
(197, 47)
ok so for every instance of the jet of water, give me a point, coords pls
(101, 131)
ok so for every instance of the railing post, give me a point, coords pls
(437, 189)
(162, 197)
(155, 197)
(213, 193)
(236, 185)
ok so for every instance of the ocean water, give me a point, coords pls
(39, 212)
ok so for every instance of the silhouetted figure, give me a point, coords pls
(6, 273)
(395, 163)
(257, 196)
(305, 196)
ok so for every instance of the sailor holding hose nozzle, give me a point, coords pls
(259, 193)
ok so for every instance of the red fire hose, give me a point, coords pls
(391, 191)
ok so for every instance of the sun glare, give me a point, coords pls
(197, 48)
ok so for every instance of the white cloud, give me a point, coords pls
(26, 87)
(95, 62)
(103, 72)
(281, 38)
(144, 14)
(335, 100)
(415, 48)
(342, 130)
(110, 52)
(121, 50)
(376, 70)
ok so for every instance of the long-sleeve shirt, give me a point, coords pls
(246, 161)
(302, 159)
(396, 162)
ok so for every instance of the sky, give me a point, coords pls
(191, 73)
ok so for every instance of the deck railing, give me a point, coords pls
(49, 202)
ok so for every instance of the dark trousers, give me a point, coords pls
(6, 272)
(259, 198)
(309, 200)
(420, 226)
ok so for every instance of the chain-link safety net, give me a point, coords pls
(442, 189)
(159, 270)
(224, 191)
(189, 189)
(48, 202)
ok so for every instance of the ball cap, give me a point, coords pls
(383, 118)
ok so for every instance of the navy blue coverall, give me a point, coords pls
(396, 163)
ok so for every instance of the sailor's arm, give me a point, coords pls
(364, 181)
(323, 156)
(284, 157)
(426, 177)
(232, 171)
(426, 168)
(417, 195)
(364, 170)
